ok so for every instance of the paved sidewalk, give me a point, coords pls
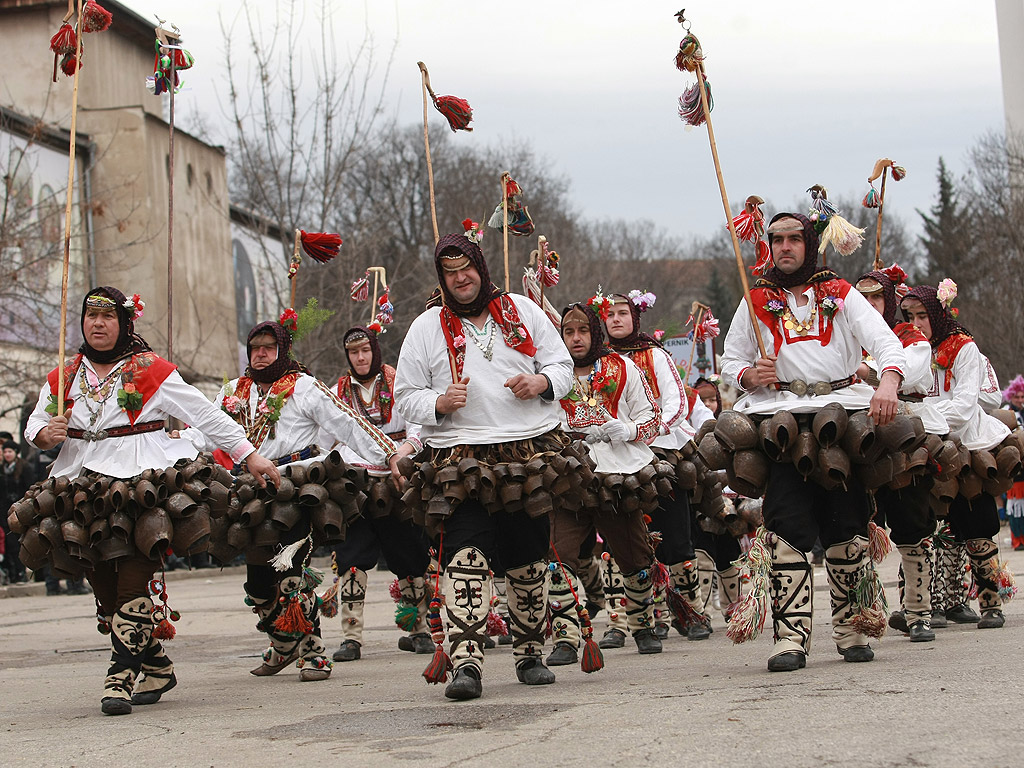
(954, 702)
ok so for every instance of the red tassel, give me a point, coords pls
(661, 575)
(496, 626)
(439, 667)
(95, 18)
(745, 223)
(68, 64)
(456, 111)
(65, 41)
(292, 620)
(592, 659)
(684, 612)
(764, 259)
(321, 246)
(164, 630)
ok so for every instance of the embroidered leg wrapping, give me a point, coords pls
(565, 627)
(131, 631)
(527, 609)
(706, 576)
(639, 588)
(351, 598)
(962, 580)
(615, 597)
(941, 572)
(312, 651)
(157, 670)
(792, 605)
(915, 595)
(414, 592)
(592, 580)
(467, 599)
(284, 647)
(685, 579)
(731, 587)
(844, 564)
(984, 554)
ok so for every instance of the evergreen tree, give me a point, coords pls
(945, 239)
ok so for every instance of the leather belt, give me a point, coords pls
(911, 397)
(102, 434)
(799, 387)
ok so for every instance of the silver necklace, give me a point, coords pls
(488, 348)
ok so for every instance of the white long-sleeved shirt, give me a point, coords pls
(311, 410)
(636, 407)
(675, 429)
(394, 426)
(492, 413)
(960, 405)
(857, 325)
(917, 380)
(991, 397)
(127, 456)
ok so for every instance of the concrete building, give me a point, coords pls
(120, 232)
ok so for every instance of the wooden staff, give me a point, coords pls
(701, 308)
(62, 342)
(426, 144)
(380, 276)
(170, 199)
(701, 87)
(541, 264)
(293, 266)
(506, 177)
(881, 203)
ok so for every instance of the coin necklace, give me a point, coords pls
(488, 348)
(797, 327)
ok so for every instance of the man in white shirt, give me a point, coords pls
(368, 388)
(957, 372)
(482, 375)
(117, 396)
(611, 406)
(284, 410)
(814, 327)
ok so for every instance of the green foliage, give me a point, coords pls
(310, 317)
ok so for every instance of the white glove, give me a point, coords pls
(593, 434)
(616, 431)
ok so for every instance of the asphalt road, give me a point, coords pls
(954, 702)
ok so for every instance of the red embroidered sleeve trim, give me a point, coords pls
(646, 431)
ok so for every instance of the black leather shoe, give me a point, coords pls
(857, 653)
(487, 642)
(465, 684)
(349, 651)
(920, 632)
(661, 630)
(939, 620)
(992, 619)
(112, 706)
(787, 662)
(647, 641)
(533, 672)
(562, 655)
(898, 621)
(418, 643)
(613, 638)
(505, 639)
(699, 630)
(962, 614)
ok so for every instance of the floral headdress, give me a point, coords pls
(135, 306)
(474, 230)
(946, 293)
(1015, 387)
(642, 300)
(601, 304)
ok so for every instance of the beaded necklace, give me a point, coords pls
(488, 331)
(98, 394)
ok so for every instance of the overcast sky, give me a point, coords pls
(805, 92)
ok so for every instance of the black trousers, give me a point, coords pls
(724, 548)
(261, 579)
(674, 520)
(514, 538)
(974, 519)
(801, 511)
(907, 512)
(404, 546)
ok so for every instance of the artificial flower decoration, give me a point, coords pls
(643, 300)
(946, 292)
(600, 303)
(474, 230)
(135, 305)
(658, 334)
(290, 320)
(361, 288)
